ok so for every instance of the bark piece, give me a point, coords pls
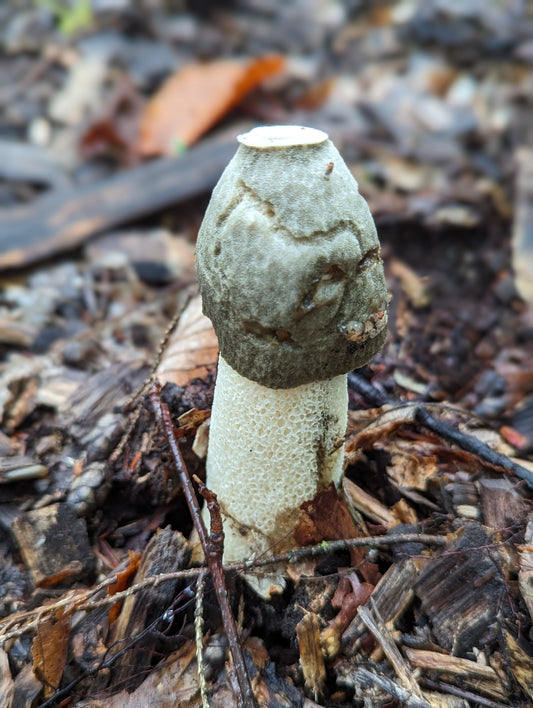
(54, 544)
(501, 503)
(64, 219)
(460, 590)
(368, 505)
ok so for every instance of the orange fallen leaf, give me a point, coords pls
(192, 100)
(123, 580)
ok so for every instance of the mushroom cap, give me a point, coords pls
(289, 262)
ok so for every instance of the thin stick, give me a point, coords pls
(466, 442)
(199, 637)
(211, 546)
(461, 693)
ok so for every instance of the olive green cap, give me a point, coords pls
(289, 263)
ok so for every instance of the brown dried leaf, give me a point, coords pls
(411, 466)
(196, 97)
(192, 350)
(7, 686)
(173, 683)
(326, 518)
(372, 425)
(49, 649)
(413, 285)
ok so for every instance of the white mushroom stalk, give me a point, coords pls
(291, 276)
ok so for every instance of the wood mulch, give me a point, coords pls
(413, 585)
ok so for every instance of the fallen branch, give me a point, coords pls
(66, 218)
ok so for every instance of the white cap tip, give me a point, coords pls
(282, 136)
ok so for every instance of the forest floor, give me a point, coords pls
(415, 587)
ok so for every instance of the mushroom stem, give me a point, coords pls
(270, 450)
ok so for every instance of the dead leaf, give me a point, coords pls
(173, 683)
(113, 131)
(192, 350)
(412, 465)
(413, 285)
(375, 424)
(49, 649)
(326, 518)
(123, 580)
(196, 97)
(7, 686)
(514, 438)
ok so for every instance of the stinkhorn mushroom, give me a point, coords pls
(290, 273)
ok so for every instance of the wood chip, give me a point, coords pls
(311, 658)
(463, 672)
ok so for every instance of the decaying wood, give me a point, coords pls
(467, 674)
(54, 544)
(461, 589)
(63, 220)
(364, 677)
(374, 623)
(311, 658)
(166, 552)
(502, 505)
(519, 663)
(367, 504)
(392, 596)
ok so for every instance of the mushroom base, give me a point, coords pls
(269, 451)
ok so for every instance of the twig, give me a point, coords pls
(130, 404)
(82, 602)
(362, 675)
(466, 442)
(461, 693)
(374, 623)
(108, 663)
(473, 445)
(199, 637)
(212, 547)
